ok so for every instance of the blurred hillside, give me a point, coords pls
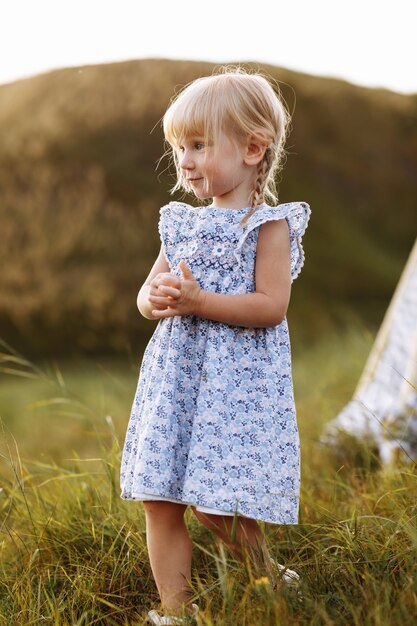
(81, 187)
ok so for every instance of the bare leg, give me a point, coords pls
(170, 553)
(249, 539)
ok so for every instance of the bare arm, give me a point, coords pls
(268, 305)
(253, 310)
(144, 305)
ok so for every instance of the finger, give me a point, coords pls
(164, 313)
(156, 292)
(172, 291)
(186, 272)
(171, 280)
(162, 300)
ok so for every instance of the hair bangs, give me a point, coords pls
(186, 117)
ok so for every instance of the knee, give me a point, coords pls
(204, 518)
(164, 511)
(222, 526)
(218, 524)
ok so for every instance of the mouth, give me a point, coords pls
(192, 180)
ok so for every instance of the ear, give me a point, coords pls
(254, 151)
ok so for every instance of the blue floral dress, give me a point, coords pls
(213, 422)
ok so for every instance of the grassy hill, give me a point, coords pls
(80, 189)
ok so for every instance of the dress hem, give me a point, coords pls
(203, 509)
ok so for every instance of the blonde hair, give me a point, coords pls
(240, 104)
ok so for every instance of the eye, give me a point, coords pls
(199, 145)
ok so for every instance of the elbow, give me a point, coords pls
(139, 304)
(271, 319)
(274, 309)
(280, 310)
(275, 320)
(146, 311)
(281, 319)
(277, 316)
(143, 305)
(146, 314)
(277, 313)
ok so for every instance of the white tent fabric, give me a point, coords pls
(383, 410)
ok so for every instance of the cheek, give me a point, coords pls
(217, 175)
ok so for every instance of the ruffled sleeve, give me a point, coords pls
(297, 215)
(171, 221)
(170, 215)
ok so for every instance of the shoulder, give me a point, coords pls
(274, 228)
(295, 214)
(282, 226)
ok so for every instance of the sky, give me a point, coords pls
(367, 42)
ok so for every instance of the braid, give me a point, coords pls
(264, 168)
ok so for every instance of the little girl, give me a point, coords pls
(213, 422)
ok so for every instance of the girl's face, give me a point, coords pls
(228, 178)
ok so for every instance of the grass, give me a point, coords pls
(73, 553)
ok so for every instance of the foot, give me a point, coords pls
(171, 620)
(288, 577)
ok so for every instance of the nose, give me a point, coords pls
(185, 160)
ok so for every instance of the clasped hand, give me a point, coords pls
(175, 296)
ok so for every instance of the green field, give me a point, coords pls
(73, 553)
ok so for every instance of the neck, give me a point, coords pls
(241, 202)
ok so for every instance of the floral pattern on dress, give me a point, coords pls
(213, 421)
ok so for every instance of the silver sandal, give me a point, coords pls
(288, 576)
(170, 620)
